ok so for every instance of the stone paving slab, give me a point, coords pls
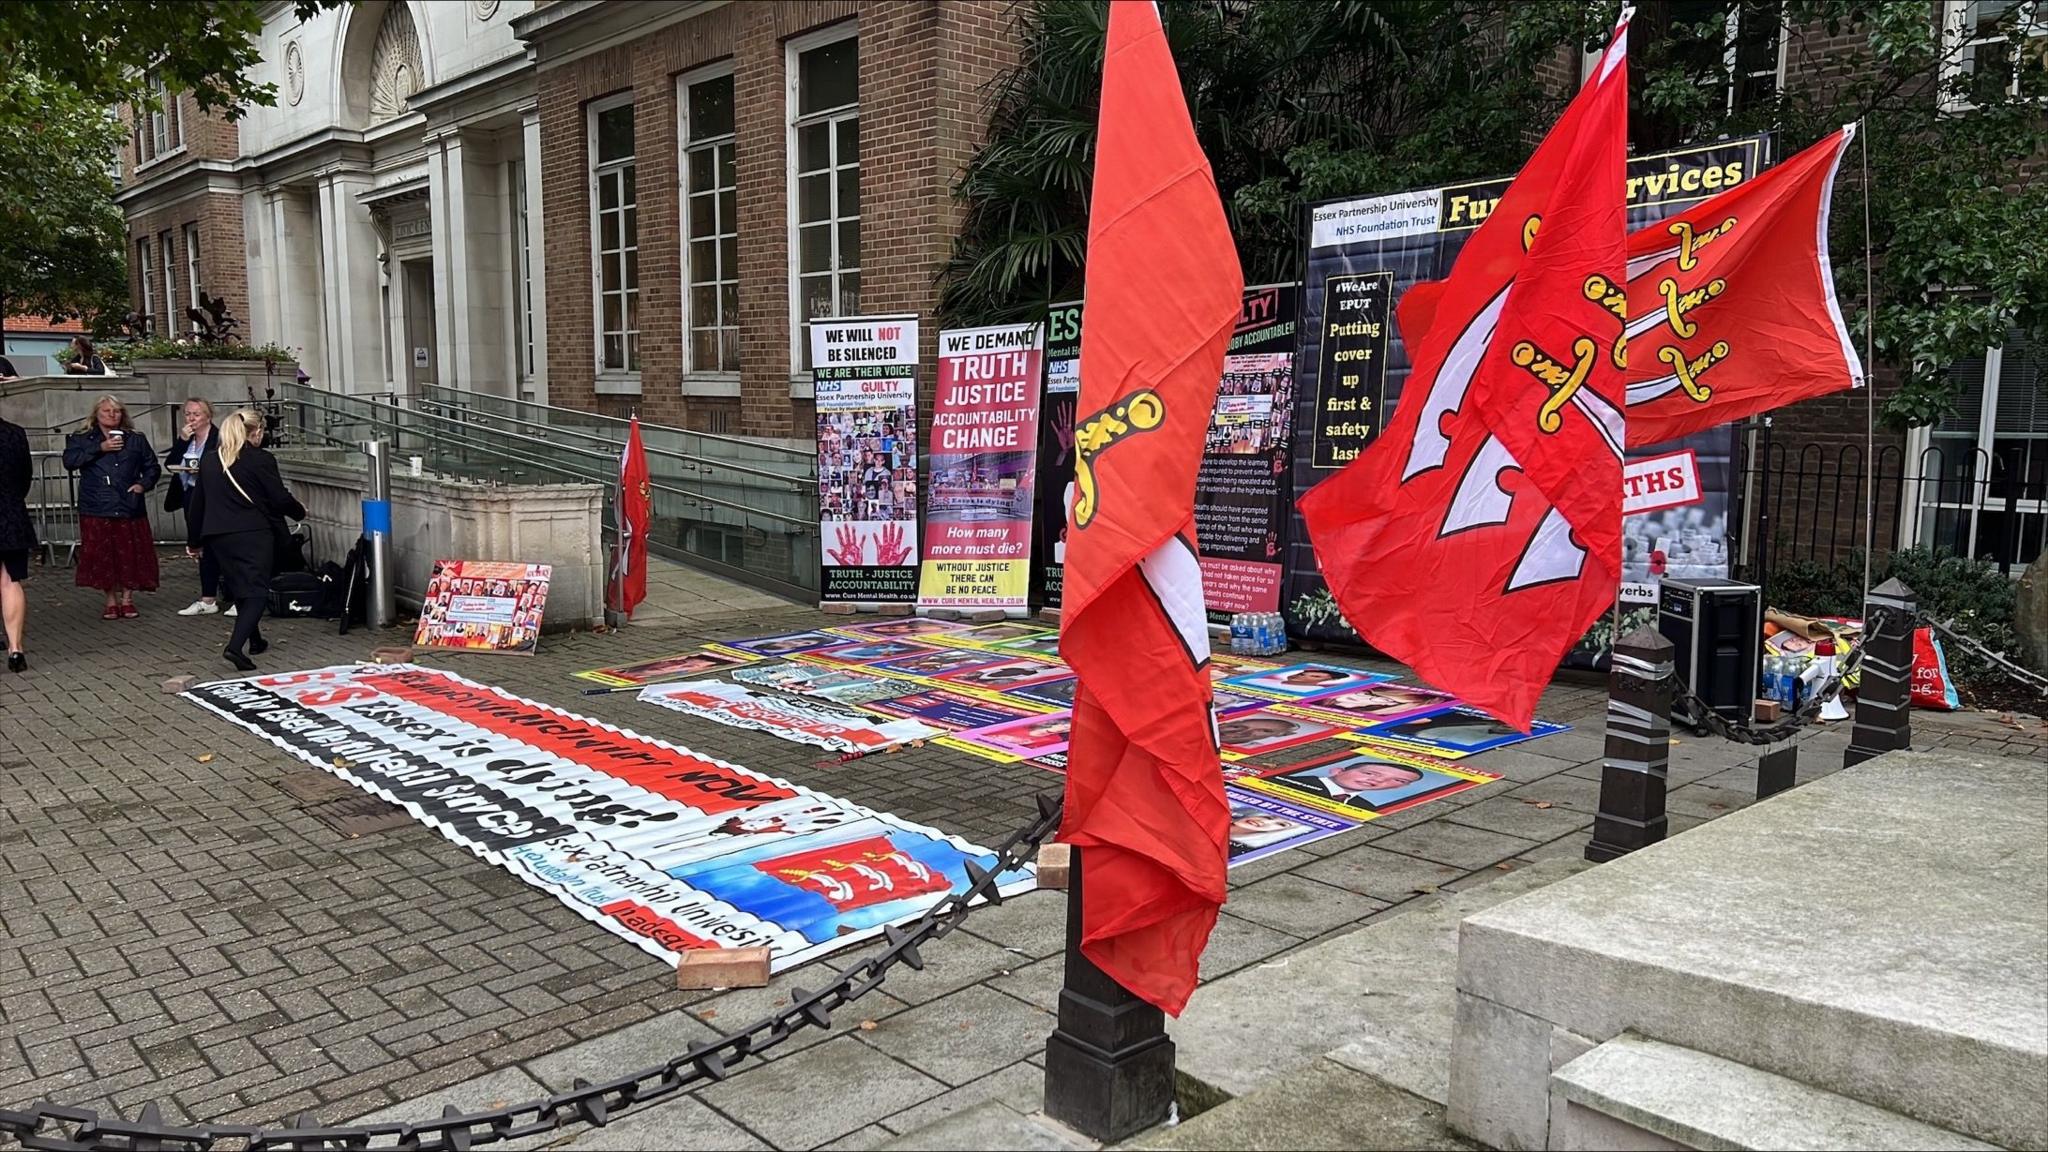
(176, 927)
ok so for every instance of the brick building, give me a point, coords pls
(183, 202)
(715, 174)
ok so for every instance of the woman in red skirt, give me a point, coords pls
(115, 467)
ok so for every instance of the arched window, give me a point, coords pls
(394, 64)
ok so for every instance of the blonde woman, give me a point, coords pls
(115, 467)
(236, 513)
(196, 437)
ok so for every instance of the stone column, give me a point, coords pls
(348, 246)
(1638, 747)
(1884, 702)
(1109, 1064)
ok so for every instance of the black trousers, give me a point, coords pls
(245, 560)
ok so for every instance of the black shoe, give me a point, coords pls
(17, 662)
(258, 645)
(242, 663)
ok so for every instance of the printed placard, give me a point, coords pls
(1372, 704)
(949, 710)
(1654, 483)
(1014, 740)
(1241, 493)
(1452, 733)
(864, 383)
(1300, 681)
(977, 542)
(1261, 825)
(658, 845)
(667, 668)
(483, 606)
(1366, 784)
(836, 685)
(801, 721)
(1257, 733)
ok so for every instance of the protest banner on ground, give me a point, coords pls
(658, 845)
(802, 721)
(1242, 496)
(864, 384)
(483, 606)
(1452, 733)
(950, 710)
(837, 685)
(978, 505)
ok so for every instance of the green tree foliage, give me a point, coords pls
(63, 69)
(1297, 102)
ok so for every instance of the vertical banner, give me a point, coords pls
(978, 509)
(1242, 495)
(864, 378)
(1352, 362)
(1062, 356)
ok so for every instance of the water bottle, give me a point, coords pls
(1240, 632)
(1770, 684)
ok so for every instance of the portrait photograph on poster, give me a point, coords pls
(1300, 681)
(1253, 733)
(952, 711)
(1026, 738)
(1006, 674)
(1365, 784)
(667, 668)
(483, 606)
(1373, 704)
(867, 653)
(936, 662)
(1034, 645)
(788, 644)
(826, 683)
(992, 634)
(905, 628)
(1262, 825)
(1453, 732)
(1059, 693)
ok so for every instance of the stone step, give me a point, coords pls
(1379, 1001)
(1635, 1093)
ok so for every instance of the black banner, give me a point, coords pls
(1055, 451)
(1242, 497)
(1362, 254)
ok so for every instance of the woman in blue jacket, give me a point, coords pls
(116, 467)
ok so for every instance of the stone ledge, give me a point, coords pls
(1703, 1101)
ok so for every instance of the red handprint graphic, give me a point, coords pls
(1063, 429)
(890, 548)
(850, 549)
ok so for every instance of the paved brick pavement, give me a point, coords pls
(178, 928)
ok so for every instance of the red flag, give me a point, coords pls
(636, 509)
(1731, 304)
(1441, 548)
(1145, 796)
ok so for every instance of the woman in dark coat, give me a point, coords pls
(236, 513)
(196, 438)
(17, 538)
(116, 467)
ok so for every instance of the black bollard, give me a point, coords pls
(1109, 1063)
(1638, 747)
(1777, 770)
(1884, 697)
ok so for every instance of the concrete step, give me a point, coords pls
(1324, 1106)
(1636, 1093)
(1378, 1001)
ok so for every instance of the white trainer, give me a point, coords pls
(230, 611)
(200, 608)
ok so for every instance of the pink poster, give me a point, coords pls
(977, 544)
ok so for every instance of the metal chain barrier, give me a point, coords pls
(55, 1127)
(1947, 628)
(1750, 732)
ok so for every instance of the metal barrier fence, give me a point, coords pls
(1807, 502)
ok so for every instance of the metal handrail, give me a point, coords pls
(600, 473)
(795, 483)
(581, 414)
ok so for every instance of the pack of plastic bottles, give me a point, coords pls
(1258, 634)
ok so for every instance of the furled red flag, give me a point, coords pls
(636, 509)
(1731, 304)
(1438, 546)
(1145, 796)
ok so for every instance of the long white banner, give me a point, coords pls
(655, 843)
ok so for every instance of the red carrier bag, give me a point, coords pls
(1933, 687)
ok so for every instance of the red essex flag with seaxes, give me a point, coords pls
(1480, 535)
(1145, 799)
(1731, 304)
(629, 569)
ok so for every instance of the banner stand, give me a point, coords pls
(864, 388)
(980, 498)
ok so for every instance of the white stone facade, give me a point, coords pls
(385, 196)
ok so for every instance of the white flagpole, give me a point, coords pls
(1869, 374)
